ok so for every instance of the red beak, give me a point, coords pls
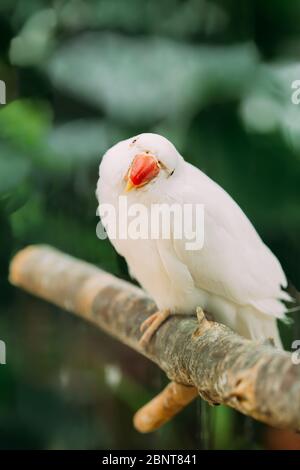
(143, 169)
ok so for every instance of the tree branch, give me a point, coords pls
(254, 378)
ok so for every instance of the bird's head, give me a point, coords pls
(139, 162)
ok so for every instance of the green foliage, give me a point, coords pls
(140, 82)
(213, 76)
(24, 122)
(13, 169)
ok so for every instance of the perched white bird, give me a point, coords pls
(234, 276)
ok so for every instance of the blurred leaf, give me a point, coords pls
(26, 125)
(35, 40)
(83, 141)
(140, 82)
(16, 198)
(24, 122)
(261, 113)
(269, 108)
(181, 19)
(13, 169)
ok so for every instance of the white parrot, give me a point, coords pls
(234, 276)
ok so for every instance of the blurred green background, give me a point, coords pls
(213, 76)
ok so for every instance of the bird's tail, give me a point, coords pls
(259, 326)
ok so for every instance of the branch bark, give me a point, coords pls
(254, 378)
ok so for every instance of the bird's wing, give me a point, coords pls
(234, 262)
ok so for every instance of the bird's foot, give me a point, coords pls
(203, 323)
(151, 325)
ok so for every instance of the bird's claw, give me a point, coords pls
(146, 323)
(151, 325)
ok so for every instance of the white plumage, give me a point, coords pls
(234, 276)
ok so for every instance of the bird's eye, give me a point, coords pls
(171, 173)
(134, 141)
